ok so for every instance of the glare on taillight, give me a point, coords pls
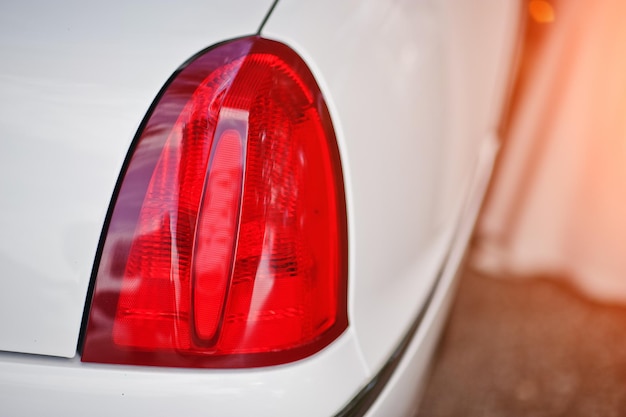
(226, 244)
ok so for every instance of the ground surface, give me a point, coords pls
(531, 347)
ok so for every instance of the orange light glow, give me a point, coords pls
(541, 11)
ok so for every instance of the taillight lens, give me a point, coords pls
(227, 242)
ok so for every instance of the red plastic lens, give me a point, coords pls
(227, 243)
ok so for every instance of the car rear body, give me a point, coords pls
(414, 91)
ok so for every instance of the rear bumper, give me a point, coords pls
(319, 385)
(396, 389)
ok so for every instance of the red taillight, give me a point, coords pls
(227, 243)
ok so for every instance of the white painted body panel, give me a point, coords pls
(415, 90)
(402, 395)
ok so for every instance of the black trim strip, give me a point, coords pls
(267, 16)
(361, 403)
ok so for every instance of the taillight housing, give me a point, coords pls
(226, 245)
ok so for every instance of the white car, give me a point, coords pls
(243, 208)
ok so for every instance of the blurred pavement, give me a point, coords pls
(528, 347)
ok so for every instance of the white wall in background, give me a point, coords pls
(558, 204)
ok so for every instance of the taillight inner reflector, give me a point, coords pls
(226, 244)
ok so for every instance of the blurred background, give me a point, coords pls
(558, 202)
(539, 324)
